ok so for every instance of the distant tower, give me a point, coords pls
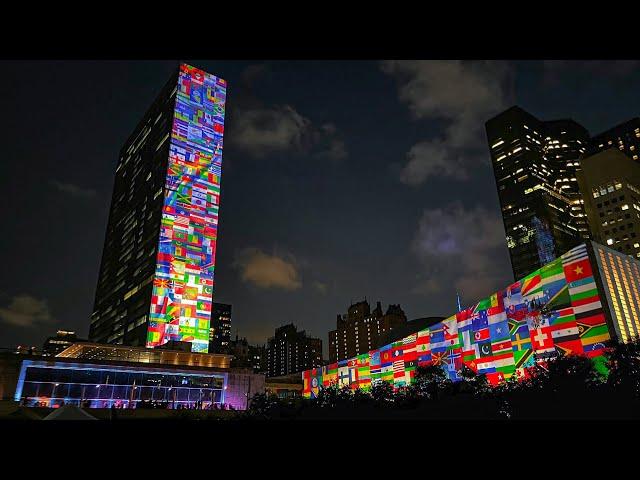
(458, 301)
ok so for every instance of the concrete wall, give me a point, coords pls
(9, 372)
(241, 384)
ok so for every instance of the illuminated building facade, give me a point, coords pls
(290, 351)
(359, 330)
(157, 272)
(610, 181)
(620, 275)
(625, 137)
(576, 304)
(102, 376)
(534, 164)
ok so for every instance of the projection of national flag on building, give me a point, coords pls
(184, 276)
(562, 308)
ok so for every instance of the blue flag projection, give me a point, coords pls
(556, 309)
(184, 278)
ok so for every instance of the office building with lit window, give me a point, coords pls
(291, 351)
(220, 329)
(620, 275)
(156, 277)
(535, 164)
(101, 376)
(63, 339)
(610, 181)
(248, 356)
(625, 137)
(577, 304)
(360, 329)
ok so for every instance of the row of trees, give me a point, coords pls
(568, 387)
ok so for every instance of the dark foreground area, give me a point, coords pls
(565, 388)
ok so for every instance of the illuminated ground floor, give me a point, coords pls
(52, 383)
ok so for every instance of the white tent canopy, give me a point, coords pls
(69, 412)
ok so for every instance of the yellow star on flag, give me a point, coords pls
(578, 270)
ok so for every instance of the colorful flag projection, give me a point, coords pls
(555, 309)
(184, 278)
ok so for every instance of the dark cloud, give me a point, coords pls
(268, 271)
(73, 190)
(320, 287)
(26, 311)
(461, 94)
(463, 248)
(263, 131)
(253, 73)
(432, 158)
(590, 70)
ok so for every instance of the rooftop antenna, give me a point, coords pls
(458, 301)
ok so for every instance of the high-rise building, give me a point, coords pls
(610, 182)
(291, 351)
(156, 277)
(248, 356)
(534, 164)
(220, 329)
(574, 305)
(62, 340)
(625, 137)
(359, 330)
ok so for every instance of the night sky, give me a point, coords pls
(341, 180)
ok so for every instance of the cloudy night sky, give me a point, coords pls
(341, 180)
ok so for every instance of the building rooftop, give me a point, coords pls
(409, 328)
(123, 353)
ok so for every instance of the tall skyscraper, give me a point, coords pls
(156, 277)
(359, 330)
(291, 351)
(610, 182)
(220, 328)
(534, 164)
(625, 137)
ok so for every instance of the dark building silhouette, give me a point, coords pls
(220, 329)
(625, 137)
(155, 282)
(610, 181)
(409, 328)
(360, 329)
(63, 339)
(125, 281)
(535, 164)
(290, 351)
(248, 356)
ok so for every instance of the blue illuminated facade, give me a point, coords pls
(54, 383)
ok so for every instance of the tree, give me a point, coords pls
(624, 368)
(263, 405)
(430, 382)
(382, 393)
(473, 383)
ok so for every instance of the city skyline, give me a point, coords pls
(326, 197)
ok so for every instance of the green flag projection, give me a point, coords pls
(556, 309)
(183, 282)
